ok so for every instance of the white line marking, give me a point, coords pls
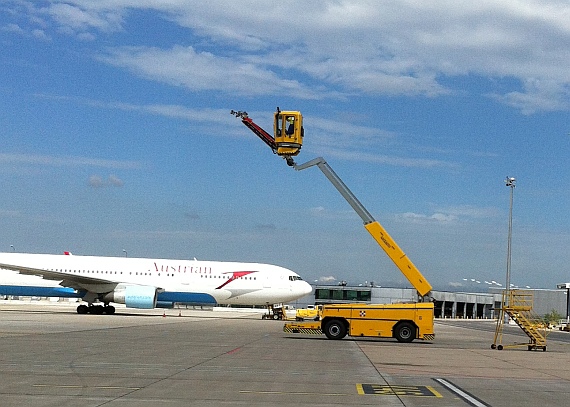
(464, 395)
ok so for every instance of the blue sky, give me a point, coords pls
(116, 133)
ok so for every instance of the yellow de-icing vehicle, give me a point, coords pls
(405, 322)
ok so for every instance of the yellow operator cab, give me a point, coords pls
(288, 132)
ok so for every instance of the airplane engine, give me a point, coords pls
(133, 296)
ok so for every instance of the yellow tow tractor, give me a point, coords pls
(405, 322)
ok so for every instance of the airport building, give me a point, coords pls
(447, 304)
(462, 305)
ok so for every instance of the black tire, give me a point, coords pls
(96, 309)
(405, 332)
(82, 309)
(335, 329)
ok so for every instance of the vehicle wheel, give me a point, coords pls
(82, 309)
(109, 310)
(493, 346)
(405, 332)
(500, 347)
(335, 329)
(96, 309)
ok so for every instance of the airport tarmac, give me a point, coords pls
(51, 356)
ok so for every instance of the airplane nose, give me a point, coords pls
(307, 289)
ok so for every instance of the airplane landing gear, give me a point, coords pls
(95, 309)
(273, 313)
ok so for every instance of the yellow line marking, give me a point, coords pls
(72, 386)
(434, 391)
(294, 393)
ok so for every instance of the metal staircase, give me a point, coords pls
(517, 304)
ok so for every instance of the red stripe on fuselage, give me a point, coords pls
(235, 275)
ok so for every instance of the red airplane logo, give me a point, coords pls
(235, 275)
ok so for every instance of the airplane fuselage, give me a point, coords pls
(182, 281)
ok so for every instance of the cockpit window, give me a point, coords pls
(294, 278)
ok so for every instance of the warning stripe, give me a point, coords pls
(429, 337)
(394, 390)
(309, 331)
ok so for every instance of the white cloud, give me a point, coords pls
(74, 161)
(115, 181)
(13, 28)
(440, 218)
(322, 212)
(326, 279)
(332, 137)
(97, 181)
(195, 70)
(451, 215)
(36, 32)
(545, 95)
(40, 35)
(86, 37)
(82, 18)
(469, 211)
(387, 159)
(354, 46)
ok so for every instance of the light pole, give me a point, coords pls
(124, 251)
(510, 182)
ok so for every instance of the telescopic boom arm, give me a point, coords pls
(384, 240)
(259, 132)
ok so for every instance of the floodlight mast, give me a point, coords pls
(511, 183)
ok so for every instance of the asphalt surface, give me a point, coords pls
(51, 356)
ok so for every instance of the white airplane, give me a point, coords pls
(146, 283)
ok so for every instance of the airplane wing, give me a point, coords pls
(76, 282)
